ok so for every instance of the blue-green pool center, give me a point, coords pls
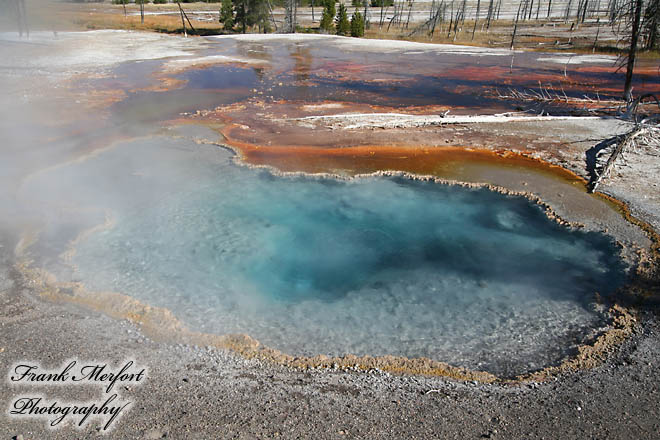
(319, 265)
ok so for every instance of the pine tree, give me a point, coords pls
(249, 13)
(328, 15)
(357, 24)
(257, 15)
(341, 22)
(227, 15)
(241, 14)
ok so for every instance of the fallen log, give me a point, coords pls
(627, 141)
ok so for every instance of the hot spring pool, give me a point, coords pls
(306, 265)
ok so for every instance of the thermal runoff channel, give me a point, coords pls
(308, 265)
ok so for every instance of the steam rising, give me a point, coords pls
(83, 145)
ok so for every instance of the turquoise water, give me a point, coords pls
(306, 265)
(316, 265)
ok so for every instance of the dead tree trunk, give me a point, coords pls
(632, 52)
(490, 14)
(451, 19)
(584, 11)
(515, 26)
(183, 21)
(395, 16)
(272, 18)
(476, 19)
(382, 5)
(457, 19)
(435, 17)
(568, 11)
(652, 16)
(578, 12)
(393, 19)
(625, 143)
(463, 6)
(593, 49)
(613, 13)
(184, 15)
(410, 6)
(538, 9)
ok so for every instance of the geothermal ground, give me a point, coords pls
(72, 98)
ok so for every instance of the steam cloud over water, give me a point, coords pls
(376, 266)
(373, 266)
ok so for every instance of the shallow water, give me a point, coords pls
(369, 266)
(466, 79)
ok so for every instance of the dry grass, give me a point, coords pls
(499, 35)
(541, 35)
(106, 16)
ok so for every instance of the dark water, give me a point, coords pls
(314, 70)
(468, 81)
